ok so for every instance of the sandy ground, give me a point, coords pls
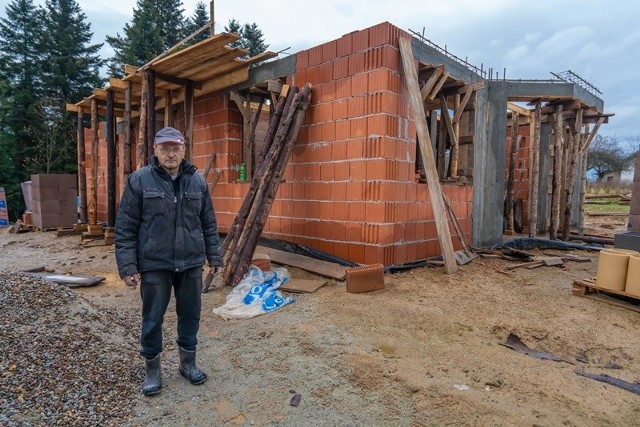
(424, 351)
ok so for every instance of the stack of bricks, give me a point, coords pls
(54, 200)
(4, 213)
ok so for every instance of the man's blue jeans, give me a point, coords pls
(155, 291)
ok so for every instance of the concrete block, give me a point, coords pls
(629, 240)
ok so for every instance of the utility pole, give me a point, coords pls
(211, 15)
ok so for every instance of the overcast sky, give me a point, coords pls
(599, 41)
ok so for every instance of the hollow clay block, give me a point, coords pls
(632, 286)
(612, 270)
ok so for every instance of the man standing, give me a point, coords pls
(165, 228)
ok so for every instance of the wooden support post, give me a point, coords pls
(93, 201)
(111, 161)
(252, 138)
(557, 173)
(168, 109)
(535, 175)
(247, 148)
(151, 110)
(442, 147)
(435, 190)
(126, 156)
(572, 172)
(455, 144)
(188, 119)
(513, 158)
(141, 150)
(584, 152)
(82, 171)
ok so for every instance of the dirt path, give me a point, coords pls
(424, 351)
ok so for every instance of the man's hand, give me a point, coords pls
(213, 271)
(132, 280)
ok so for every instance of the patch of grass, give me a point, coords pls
(613, 206)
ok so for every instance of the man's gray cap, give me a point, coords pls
(169, 134)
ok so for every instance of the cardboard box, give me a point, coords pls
(4, 222)
(366, 278)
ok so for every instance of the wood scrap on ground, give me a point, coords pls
(515, 343)
(625, 385)
(529, 260)
(317, 266)
(303, 285)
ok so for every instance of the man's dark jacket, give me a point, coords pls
(165, 225)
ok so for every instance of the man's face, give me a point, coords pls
(170, 155)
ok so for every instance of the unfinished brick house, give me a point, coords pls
(354, 186)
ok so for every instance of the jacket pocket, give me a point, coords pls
(153, 202)
(193, 203)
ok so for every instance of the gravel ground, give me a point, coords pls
(63, 361)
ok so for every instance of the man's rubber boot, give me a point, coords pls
(153, 377)
(188, 368)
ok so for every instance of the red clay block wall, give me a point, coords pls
(350, 188)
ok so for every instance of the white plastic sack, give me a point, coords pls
(257, 293)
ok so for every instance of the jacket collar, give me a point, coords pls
(186, 168)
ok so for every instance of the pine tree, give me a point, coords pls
(156, 26)
(21, 75)
(171, 22)
(71, 68)
(199, 18)
(253, 40)
(251, 37)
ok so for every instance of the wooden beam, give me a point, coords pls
(438, 86)
(435, 74)
(235, 96)
(435, 190)
(115, 83)
(463, 104)
(518, 109)
(73, 108)
(225, 81)
(176, 80)
(592, 134)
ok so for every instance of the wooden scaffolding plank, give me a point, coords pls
(435, 191)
